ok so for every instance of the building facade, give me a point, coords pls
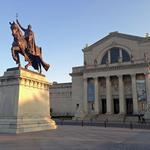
(61, 99)
(115, 77)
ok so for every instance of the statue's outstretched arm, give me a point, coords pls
(20, 25)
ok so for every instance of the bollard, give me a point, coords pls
(82, 123)
(91, 120)
(131, 125)
(62, 121)
(105, 123)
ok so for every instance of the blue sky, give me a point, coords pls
(63, 27)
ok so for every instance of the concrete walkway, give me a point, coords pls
(78, 138)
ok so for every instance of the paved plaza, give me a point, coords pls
(78, 138)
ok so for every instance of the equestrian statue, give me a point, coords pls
(25, 45)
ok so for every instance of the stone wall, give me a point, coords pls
(61, 99)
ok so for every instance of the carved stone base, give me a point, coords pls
(21, 125)
(24, 102)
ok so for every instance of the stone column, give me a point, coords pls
(85, 96)
(96, 104)
(120, 55)
(147, 79)
(120, 52)
(121, 95)
(108, 95)
(109, 59)
(134, 94)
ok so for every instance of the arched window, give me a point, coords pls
(116, 54)
(105, 59)
(125, 56)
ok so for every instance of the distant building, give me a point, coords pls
(114, 79)
(61, 99)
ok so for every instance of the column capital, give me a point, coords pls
(95, 78)
(133, 75)
(120, 76)
(85, 79)
(107, 77)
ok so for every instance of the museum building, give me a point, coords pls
(114, 79)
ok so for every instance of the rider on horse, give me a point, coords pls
(29, 36)
(25, 45)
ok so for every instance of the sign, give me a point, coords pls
(141, 90)
(91, 91)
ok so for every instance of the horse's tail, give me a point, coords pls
(39, 54)
(37, 61)
(44, 64)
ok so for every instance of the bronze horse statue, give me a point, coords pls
(20, 46)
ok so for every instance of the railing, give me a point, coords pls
(106, 123)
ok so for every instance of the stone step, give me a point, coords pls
(112, 117)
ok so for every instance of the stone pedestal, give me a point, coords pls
(24, 102)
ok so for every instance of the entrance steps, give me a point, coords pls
(112, 117)
(91, 117)
(131, 118)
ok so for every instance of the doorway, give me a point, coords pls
(129, 106)
(116, 106)
(103, 106)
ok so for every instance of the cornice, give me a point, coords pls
(111, 68)
(76, 74)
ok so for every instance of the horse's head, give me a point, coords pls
(16, 32)
(18, 36)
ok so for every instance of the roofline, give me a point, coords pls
(114, 34)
